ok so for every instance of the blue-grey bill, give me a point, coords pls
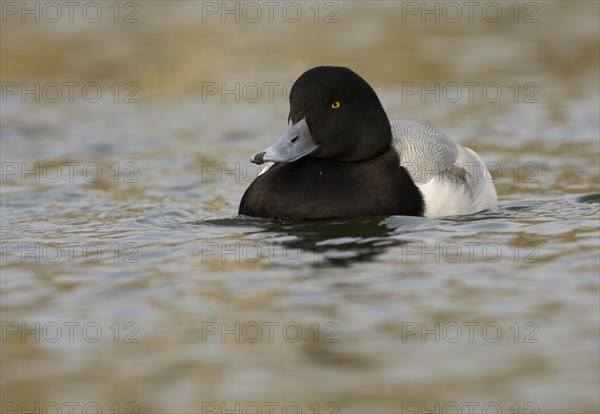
(295, 143)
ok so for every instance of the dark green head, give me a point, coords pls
(335, 114)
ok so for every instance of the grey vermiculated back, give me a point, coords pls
(423, 151)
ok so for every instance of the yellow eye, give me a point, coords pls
(336, 105)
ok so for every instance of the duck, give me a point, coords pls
(341, 157)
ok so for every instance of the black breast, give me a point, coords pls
(317, 188)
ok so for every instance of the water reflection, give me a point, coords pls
(337, 243)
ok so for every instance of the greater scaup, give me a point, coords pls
(341, 157)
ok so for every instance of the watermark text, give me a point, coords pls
(71, 172)
(69, 332)
(68, 252)
(70, 11)
(69, 92)
(467, 172)
(468, 252)
(269, 12)
(255, 252)
(469, 92)
(269, 332)
(470, 11)
(470, 332)
(268, 407)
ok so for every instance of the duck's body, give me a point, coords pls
(333, 189)
(342, 158)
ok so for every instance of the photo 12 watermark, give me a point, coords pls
(470, 92)
(71, 12)
(223, 172)
(69, 407)
(70, 92)
(468, 407)
(469, 332)
(471, 172)
(256, 252)
(516, 172)
(247, 92)
(269, 332)
(71, 332)
(465, 92)
(270, 11)
(68, 252)
(269, 407)
(468, 252)
(69, 172)
(526, 12)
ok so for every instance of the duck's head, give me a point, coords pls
(334, 114)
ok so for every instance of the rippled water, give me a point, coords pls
(130, 284)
